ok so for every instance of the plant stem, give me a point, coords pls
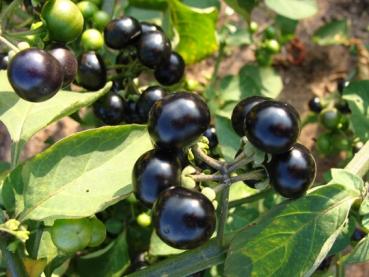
(232, 167)
(206, 159)
(359, 165)
(13, 261)
(252, 175)
(214, 76)
(206, 177)
(224, 197)
(340, 267)
(8, 43)
(251, 198)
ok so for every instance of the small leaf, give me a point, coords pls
(360, 254)
(46, 249)
(239, 217)
(303, 230)
(344, 238)
(229, 141)
(110, 261)
(294, 9)
(34, 268)
(160, 248)
(334, 32)
(196, 29)
(243, 8)
(356, 94)
(78, 176)
(23, 119)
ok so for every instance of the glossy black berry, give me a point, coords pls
(109, 108)
(121, 32)
(341, 84)
(131, 115)
(211, 135)
(170, 71)
(343, 107)
(178, 120)
(153, 48)
(272, 126)
(153, 172)
(149, 27)
(68, 62)
(291, 173)
(35, 75)
(315, 104)
(4, 61)
(183, 218)
(147, 99)
(91, 71)
(241, 110)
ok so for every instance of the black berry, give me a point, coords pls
(153, 172)
(178, 120)
(91, 71)
(121, 32)
(171, 71)
(241, 110)
(183, 218)
(211, 135)
(153, 48)
(315, 104)
(35, 75)
(272, 126)
(110, 108)
(68, 62)
(147, 99)
(292, 173)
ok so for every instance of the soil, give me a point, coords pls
(315, 76)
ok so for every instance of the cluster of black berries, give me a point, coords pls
(333, 115)
(182, 218)
(273, 127)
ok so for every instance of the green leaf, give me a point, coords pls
(303, 230)
(196, 29)
(79, 175)
(241, 36)
(229, 141)
(202, 4)
(267, 79)
(23, 119)
(243, 8)
(149, 4)
(110, 261)
(294, 9)
(287, 26)
(356, 94)
(239, 217)
(334, 32)
(46, 250)
(344, 238)
(360, 254)
(160, 248)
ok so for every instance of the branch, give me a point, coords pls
(206, 159)
(206, 178)
(359, 165)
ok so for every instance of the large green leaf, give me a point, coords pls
(334, 32)
(294, 9)
(360, 254)
(23, 119)
(303, 230)
(196, 29)
(79, 175)
(110, 261)
(358, 98)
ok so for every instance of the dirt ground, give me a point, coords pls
(316, 76)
